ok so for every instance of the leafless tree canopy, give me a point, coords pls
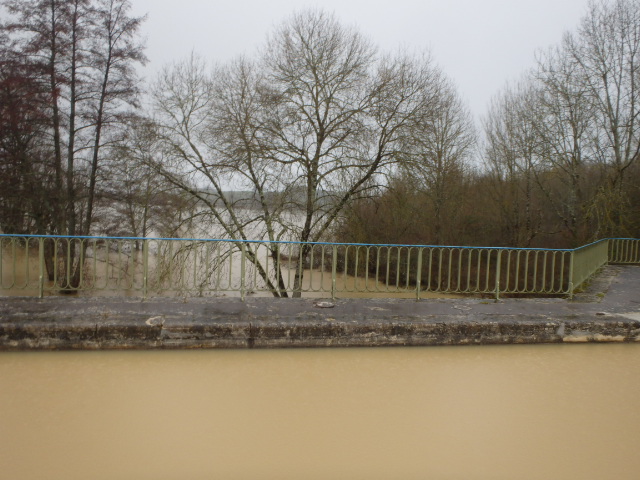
(558, 162)
(318, 135)
(310, 124)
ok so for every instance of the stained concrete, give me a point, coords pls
(608, 311)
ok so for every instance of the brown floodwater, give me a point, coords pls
(121, 275)
(489, 412)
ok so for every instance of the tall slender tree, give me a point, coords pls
(84, 53)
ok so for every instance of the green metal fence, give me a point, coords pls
(144, 267)
(586, 261)
(624, 250)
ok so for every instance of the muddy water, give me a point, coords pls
(525, 412)
(122, 275)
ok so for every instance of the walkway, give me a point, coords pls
(609, 311)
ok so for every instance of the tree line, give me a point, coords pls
(331, 138)
(556, 163)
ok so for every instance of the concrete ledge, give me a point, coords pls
(256, 332)
(63, 330)
(610, 314)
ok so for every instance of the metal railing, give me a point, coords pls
(46, 265)
(586, 261)
(624, 250)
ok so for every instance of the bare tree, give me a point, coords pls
(511, 155)
(24, 163)
(437, 151)
(606, 50)
(38, 32)
(563, 120)
(134, 199)
(115, 50)
(307, 127)
(84, 52)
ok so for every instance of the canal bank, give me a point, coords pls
(608, 311)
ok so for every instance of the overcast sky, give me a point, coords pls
(480, 44)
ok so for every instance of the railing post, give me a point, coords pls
(242, 271)
(68, 266)
(571, 260)
(334, 269)
(419, 274)
(41, 267)
(498, 266)
(145, 268)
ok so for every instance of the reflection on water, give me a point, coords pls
(518, 412)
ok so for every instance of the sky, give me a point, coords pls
(480, 44)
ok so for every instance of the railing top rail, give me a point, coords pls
(596, 242)
(285, 242)
(293, 242)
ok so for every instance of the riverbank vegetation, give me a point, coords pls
(317, 136)
(556, 164)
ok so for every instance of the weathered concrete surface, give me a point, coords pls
(609, 311)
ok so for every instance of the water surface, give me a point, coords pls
(490, 412)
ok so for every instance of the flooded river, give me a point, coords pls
(509, 412)
(120, 274)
